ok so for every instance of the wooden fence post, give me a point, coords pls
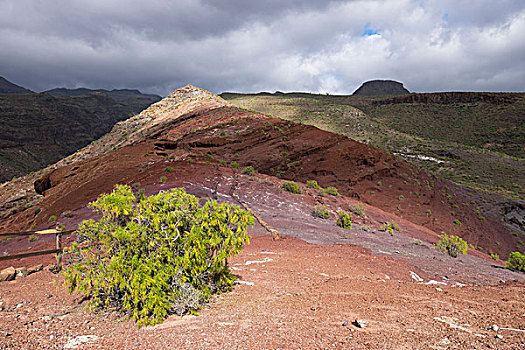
(59, 253)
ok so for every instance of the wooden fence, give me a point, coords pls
(58, 250)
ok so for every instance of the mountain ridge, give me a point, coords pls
(7, 87)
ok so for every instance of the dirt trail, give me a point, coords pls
(290, 295)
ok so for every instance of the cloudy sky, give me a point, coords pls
(264, 45)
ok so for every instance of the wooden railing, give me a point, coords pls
(58, 250)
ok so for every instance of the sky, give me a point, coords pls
(317, 46)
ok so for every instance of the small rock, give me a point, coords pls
(8, 274)
(495, 327)
(52, 268)
(313, 308)
(35, 268)
(499, 336)
(19, 305)
(345, 323)
(21, 272)
(46, 318)
(360, 323)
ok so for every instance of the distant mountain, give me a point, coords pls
(39, 129)
(7, 87)
(125, 96)
(381, 87)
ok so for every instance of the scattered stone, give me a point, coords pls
(8, 274)
(499, 336)
(244, 282)
(19, 305)
(35, 268)
(46, 318)
(52, 268)
(416, 277)
(360, 323)
(495, 327)
(345, 323)
(21, 272)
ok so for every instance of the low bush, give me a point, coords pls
(313, 184)
(153, 256)
(331, 191)
(390, 227)
(516, 262)
(235, 165)
(291, 187)
(249, 170)
(320, 211)
(358, 209)
(344, 220)
(52, 218)
(452, 245)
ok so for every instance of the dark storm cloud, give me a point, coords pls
(319, 46)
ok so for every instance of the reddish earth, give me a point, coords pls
(303, 296)
(320, 276)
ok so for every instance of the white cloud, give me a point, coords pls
(291, 45)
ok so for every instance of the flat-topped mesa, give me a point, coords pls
(381, 87)
(182, 102)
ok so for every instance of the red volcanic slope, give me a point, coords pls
(217, 132)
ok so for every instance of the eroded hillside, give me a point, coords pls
(318, 285)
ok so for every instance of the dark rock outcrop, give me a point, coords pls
(380, 88)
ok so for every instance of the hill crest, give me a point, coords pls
(380, 88)
(7, 87)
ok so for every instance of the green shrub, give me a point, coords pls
(344, 220)
(457, 222)
(235, 165)
(33, 238)
(37, 210)
(494, 256)
(516, 262)
(168, 169)
(358, 209)
(249, 170)
(390, 227)
(291, 187)
(320, 211)
(52, 218)
(162, 179)
(452, 245)
(331, 191)
(153, 256)
(313, 184)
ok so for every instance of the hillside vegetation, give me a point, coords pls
(475, 139)
(39, 129)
